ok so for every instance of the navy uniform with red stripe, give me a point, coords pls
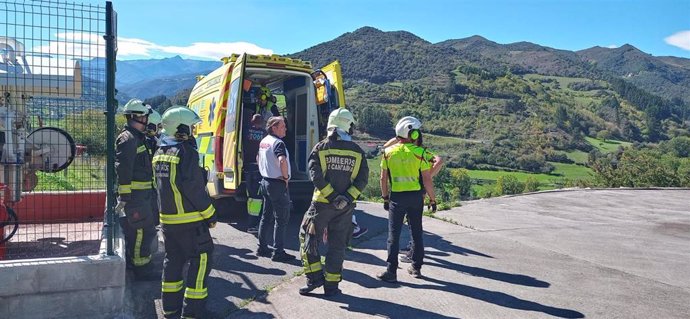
(186, 214)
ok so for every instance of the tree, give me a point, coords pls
(678, 146)
(160, 103)
(636, 168)
(374, 120)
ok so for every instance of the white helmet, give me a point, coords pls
(135, 107)
(341, 118)
(154, 117)
(407, 124)
(176, 116)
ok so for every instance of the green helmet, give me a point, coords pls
(176, 116)
(341, 118)
(155, 117)
(135, 107)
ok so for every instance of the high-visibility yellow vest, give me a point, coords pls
(404, 163)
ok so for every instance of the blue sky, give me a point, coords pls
(209, 29)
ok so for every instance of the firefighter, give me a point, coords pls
(152, 136)
(338, 168)
(186, 216)
(407, 166)
(135, 191)
(153, 130)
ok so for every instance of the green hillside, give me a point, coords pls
(544, 115)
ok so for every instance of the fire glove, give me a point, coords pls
(340, 202)
(120, 208)
(432, 206)
(212, 225)
(386, 203)
(311, 241)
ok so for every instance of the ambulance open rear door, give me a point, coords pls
(232, 162)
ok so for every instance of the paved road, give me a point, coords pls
(572, 254)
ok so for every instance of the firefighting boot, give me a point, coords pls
(331, 289)
(314, 280)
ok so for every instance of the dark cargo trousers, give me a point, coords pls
(139, 229)
(338, 224)
(410, 204)
(275, 214)
(186, 243)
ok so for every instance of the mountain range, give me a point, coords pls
(380, 57)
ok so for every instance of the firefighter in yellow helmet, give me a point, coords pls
(186, 214)
(407, 167)
(135, 190)
(266, 103)
(338, 168)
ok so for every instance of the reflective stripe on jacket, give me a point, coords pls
(181, 185)
(132, 163)
(337, 167)
(405, 162)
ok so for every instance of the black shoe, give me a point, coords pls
(405, 259)
(359, 232)
(331, 290)
(388, 276)
(282, 256)
(417, 273)
(264, 252)
(311, 285)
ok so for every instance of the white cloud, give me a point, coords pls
(74, 45)
(679, 39)
(612, 46)
(210, 50)
(127, 46)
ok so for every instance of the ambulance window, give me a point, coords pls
(231, 114)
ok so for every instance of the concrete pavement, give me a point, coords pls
(572, 254)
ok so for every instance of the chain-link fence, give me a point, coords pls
(53, 128)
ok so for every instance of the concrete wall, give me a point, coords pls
(66, 287)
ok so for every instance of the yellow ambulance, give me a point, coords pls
(304, 96)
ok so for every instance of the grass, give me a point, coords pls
(572, 171)
(487, 179)
(562, 81)
(607, 146)
(579, 157)
(82, 174)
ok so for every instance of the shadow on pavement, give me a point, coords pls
(382, 308)
(515, 279)
(239, 262)
(239, 222)
(495, 297)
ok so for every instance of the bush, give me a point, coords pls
(508, 185)
(531, 185)
(373, 190)
(638, 168)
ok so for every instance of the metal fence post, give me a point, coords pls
(111, 104)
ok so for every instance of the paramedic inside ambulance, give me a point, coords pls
(266, 103)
